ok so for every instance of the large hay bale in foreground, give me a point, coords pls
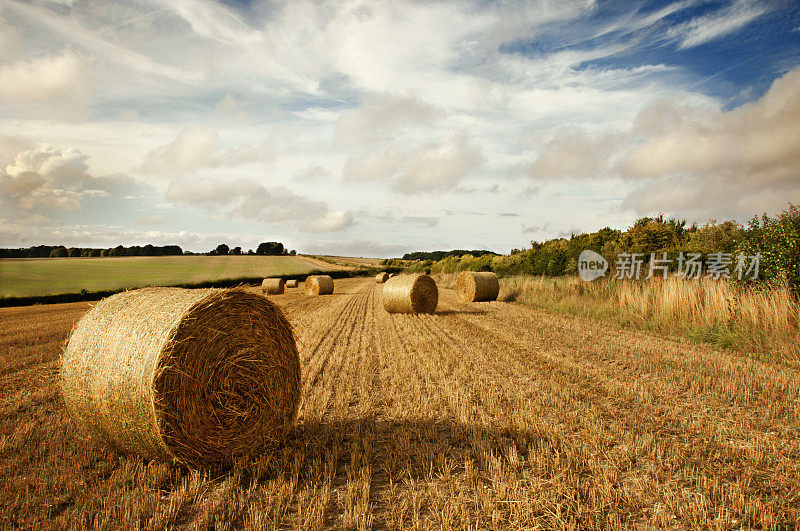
(380, 278)
(410, 294)
(272, 286)
(197, 377)
(291, 283)
(473, 286)
(319, 285)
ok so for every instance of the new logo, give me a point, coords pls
(591, 265)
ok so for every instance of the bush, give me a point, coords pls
(778, 241)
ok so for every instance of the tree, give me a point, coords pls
(74, 252)
(270, 248)
(650, 235)
(715, 237)
(222, 249)
(292, 252)
(59, 252)
(236, 250)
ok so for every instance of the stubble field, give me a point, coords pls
(491, 415)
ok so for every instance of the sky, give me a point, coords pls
(375, 128)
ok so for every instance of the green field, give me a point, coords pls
(48, 276)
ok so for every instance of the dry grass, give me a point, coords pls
(490, 415)
(764, 323)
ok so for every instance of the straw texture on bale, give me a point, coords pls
(196, 377)
(272, 286)
(319, 285)
(380, 278)
(291, 283)
(473, 286)
(410, 294)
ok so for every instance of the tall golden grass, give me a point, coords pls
(763, 322)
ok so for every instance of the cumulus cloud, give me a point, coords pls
(332, 221)
(571, 152)
(48, 180)
(52, 78)
(704, 162)
(380, 117)
(250, 200)
(438, 165)
(200, 147)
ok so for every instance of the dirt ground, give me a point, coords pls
(485, 415)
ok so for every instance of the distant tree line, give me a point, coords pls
(264, 248)
(439, 255)
(776, 239)
(61, 251)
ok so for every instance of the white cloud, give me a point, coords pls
(383, 117)
(571, 152)
(71, 31)
(200, 147)
(247, 199)
(707, 28)
(329, 222)
(53, 78)
(438, 165)
(48, 180)
(706, 161)
(193, 148)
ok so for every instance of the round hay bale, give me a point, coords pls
(473, 286)
(410, 294)
(380, 278)
(291, 283)
(319, 285)
(272, 286)
(196, 377)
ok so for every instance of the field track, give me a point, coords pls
(488, 415)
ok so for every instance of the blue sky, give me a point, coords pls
(376, 128)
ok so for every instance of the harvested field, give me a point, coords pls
(491, 415)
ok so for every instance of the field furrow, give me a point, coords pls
(483, 415)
